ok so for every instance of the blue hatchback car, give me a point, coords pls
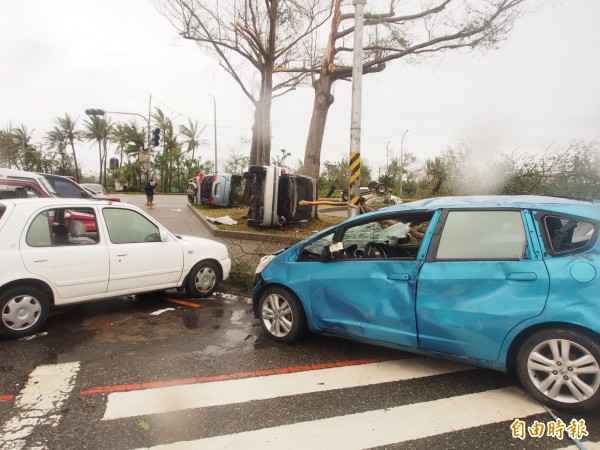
(502, 282)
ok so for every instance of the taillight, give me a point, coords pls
(214, 178)
(211, 201)
(283, 171)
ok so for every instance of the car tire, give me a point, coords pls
(561, 368)
(192, 189)
(203, 279)
(381, 189)
(23, 311)
(344, 195)
(281, 315)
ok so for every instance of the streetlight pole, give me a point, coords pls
(284, 155)
(387, 158)
(402, 160)
(215, 127)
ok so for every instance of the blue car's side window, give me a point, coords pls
(567, 235)
(315, 250)
(483, 235)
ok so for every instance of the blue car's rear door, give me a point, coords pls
(482, 276)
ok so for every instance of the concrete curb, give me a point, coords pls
(215, 231)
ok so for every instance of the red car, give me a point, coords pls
(13, 188)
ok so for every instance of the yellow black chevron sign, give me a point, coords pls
(354, 176)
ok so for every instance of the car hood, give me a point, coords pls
(194, 240)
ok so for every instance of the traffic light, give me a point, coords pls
(156, 137)
(95, 112)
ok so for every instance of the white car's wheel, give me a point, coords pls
(281, 315)
(203, 279)
(561, 369)
(23, 310)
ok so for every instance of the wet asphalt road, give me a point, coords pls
(119, 346)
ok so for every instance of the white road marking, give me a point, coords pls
(380, 427)
(39, 403)
(201, 395)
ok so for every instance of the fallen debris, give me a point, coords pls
(224, 220)
(160, 311)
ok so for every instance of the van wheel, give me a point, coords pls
(23, 311)
(281, 315)
(203, 279)
(561, 369)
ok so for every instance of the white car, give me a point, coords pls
(57, 252)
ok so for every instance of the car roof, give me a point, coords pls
(7, 173)
(535, 202)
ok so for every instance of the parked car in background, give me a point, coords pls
(49, 258)
(193, 189)
(43, 186)
(65, 187)
(12, 188)
(221, 189)
(502, 282)
(95, 188)
(372, 193)
(102, 196)
(275, 195)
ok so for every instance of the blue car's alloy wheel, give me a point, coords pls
(281, 315)
(561, 368)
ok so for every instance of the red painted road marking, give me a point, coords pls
(6, 398)
(232, 376)
(182, 302)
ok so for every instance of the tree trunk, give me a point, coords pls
(75, 161)
(323, 100)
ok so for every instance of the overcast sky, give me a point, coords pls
(540, 90)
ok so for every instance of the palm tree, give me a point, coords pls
(26, 156)
(437, 172)
(171, 148)
(129, 140)
(7, 148)
(192, 139)
(63, 134)
(99, 129)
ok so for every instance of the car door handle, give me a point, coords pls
(40, 259)
(399, 276)
(121, 254)
(522, 276)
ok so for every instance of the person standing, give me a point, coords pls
(150, 193)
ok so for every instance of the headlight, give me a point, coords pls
(264, 262)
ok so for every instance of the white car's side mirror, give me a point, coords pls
(164, 236)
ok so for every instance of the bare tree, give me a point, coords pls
(447, 25)
(262, 45)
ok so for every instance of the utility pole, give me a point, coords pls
(354, 161)
(215, 126)
(401, 160)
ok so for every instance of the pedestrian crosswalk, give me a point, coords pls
(41, 403)
(203, 395)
